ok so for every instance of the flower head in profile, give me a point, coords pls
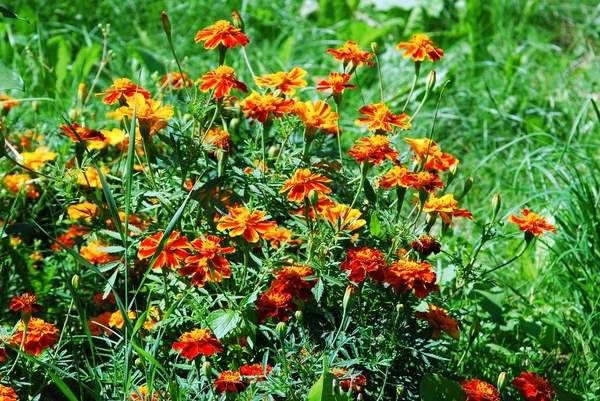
(534, 387)
(99, 324)
(532, 223)
(26, 302)
(150, 114)
(120, 91)
(292, 279)
(40, 335)
(428, 153)
(350, 53)
(406, 275)
(343, 218)
(374, 149)
(478, 390)
(8, 394)
(174, 251)
(286, 82)
(379, 117)
(302, 182)
(83, 211)
(419, 47)
(36, 159)
(275, 304)
(264, 107)
(117, 320)
(364, 260)
(221, 33)
(176, 80)
(218, 138)
(7, 102)
(336, 83)
(196, 342)
(250, 225)
(222, 80)
(439, 320)
(229, 382)
(317, 116)
(446, 207)
(93, 254)
(426, 245)
(141, 394)
(84, 133)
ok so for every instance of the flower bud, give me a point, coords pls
(273, 151)
(466, 188)
(400, 391)
(234, 123)
(76, 281)
(374, 48)
(430, 82)
(281, 330)
(35, 105)
(502, 381)
(474, 330)
(496, 205)
(138, 363)
(380, 339)
(349, 298)
(73, 114)
(207, 369)
(81, 92)
(313, 198)
(399, 308)
(299, 316)
(166, 22)
(359, 397)
(238, 22)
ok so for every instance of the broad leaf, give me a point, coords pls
(437, 388)
(10, 79)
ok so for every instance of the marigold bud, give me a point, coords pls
(313, 197)
(349, 298)
(359, 397)
(496, 205)
(502, 381)
(273, 151)
(35, 105)
(138, 363)
(234, 123)
(299, 316)
(207, 369)
(374, 47)
(166, 22)
(467, 187)
(81, 92)
(474, 330)
(238, 22)
(281, 330)
(76, 281)
(400, 308)
(73, 114)
(400, 391)
(430, 82)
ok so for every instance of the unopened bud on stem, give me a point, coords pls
(166, 23)
(431, 78)
(502, 381)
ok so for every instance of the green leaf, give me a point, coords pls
(6, 13)
(10, 79)
(437, 388)
(374, 225)
(370, 192)
(322, 390)
(223, 322)
(565, 395)
(63, 59)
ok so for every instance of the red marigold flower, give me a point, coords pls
(284, 81)
(84, 133)
(40, 335)
(446, 207)
(3, 355)
(219, 138)
(336, 83)
(172, 253)
(292, 280)
(100, 324)
(373, 149)
(533, 223)
(208, 251)
(120, 90)
(350, 53)
(280, 236)
(399, 176)
(363, 260)
(250, 225)
(117, 320)
(8, 394)
(317, 116)
(101, 301)
(419, 47)
(534, 387)
(427, 152)
(357, 382)
(68, 239)
(341, 217)
(221, 33)
(141, 394)
(478, 390)
(222, 81)
(439, 320)
(255, 372)
(302, 182)
(27, 302)
(408, 274)
(379, 117)
(196, 342)
(426, 245)
(426, 180)
(176, 80)
(262, 108)
(229, 381)
(275, 304)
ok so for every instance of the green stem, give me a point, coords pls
(364, 169)
(400, 192)
(339, 136)
(517, 256)
(414, 84)
(381, 79)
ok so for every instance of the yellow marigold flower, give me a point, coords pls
(261, 108)
(438, 319)
(7, 393)
(446, 207)
(427, 151)
(222, 80)
(350, 53)
(148, 112)
(36, 159)
(302, 182)
(379, 117)
(374, 149)
(85, 211)
(241, 221)
(117, 320)
(94, 255)
(115, 136)
(419, 47)
(90, 178)
(121, 90)
(284, 81)
(14, 182)
(152, 319)
(317, 116)
(342, 218)
(221, 33)
(218, 138)
(533, 223)
(141, 394)
(7, 102)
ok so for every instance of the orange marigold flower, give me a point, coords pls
(336, 83)
(176, 80)
(373, 149)
(94, 255)
(100, 300)
(357, 382)
(342, 217)
(363, 260)
(90, 177)
(250, 225)
(36, 159)
(292, 280)
(198, 266)
(532, 223)
(84, 211)
(229, 381)
(261, 108)
(141, 394)
(284, 81)
(14, 182)
(302, 182)
(399, 176)
(446, 207)
(3, 356)
(426, 245)
(280, 236)
(350, 53)
(172, 253)
(117, 320)
(260, 165)
(8, 394)
(427, 152)
(7, 102)
(478, 390)
(317, 116)
(256, 372)
(275, 304)
(419, 47)
(379, 117)
(100, 324)
(40, 335)
(148, 112)
(26, 302)
(196, 342)
(120, 90)
(222, 80)
(219, 138)
(221, 33)
(152, 319)
(68, 239)
(84, 133)
(534, 387)
(323, 202)
(407, 274)
(439, 320)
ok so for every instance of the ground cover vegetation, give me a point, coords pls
(321, 200)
